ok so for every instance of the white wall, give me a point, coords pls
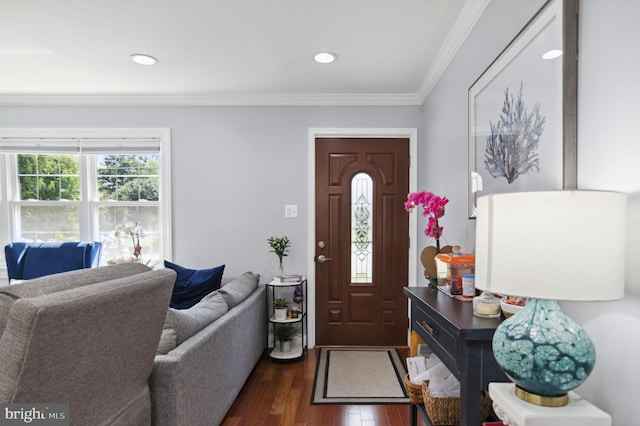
(233, 171)
(608, 158)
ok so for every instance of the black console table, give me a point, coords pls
(462, 341)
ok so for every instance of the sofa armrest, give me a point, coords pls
(14, 257)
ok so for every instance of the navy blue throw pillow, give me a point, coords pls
(192, 284)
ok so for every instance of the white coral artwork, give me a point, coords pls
(512, 146)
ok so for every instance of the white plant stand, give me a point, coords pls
(298, 345)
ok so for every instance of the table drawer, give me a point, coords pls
(440, 339)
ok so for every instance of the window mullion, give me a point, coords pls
(88, 220)
(5, 218)
(13, 196)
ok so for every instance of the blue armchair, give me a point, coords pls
(26, 261)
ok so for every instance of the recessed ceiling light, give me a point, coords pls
(143, 59)
(325, 57)
(552, 54)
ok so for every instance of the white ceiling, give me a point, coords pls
(227, 52)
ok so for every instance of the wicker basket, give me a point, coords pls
(414, 391)
(446, 410)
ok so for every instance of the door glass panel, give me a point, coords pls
(361, 228)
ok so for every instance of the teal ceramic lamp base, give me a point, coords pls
(544, 352)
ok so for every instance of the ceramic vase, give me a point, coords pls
(285, 346)
(280, 314)
(543, 351)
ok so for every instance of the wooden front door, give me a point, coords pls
(362, 240)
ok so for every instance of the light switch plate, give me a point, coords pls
(291, 210)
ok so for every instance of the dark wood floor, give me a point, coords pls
(279, 393)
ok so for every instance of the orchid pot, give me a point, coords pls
(432, 208)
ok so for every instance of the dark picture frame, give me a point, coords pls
(523, 110)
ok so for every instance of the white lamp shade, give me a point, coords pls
(562, 245)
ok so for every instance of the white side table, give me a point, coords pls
(515, 412)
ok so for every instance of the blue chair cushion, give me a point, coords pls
(27, 261)
(192, 284)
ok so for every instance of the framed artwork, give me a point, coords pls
(523, 110)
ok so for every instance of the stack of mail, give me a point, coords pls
(441, 382)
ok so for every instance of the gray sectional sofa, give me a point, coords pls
(85, 338)
(197, 382)
(114, 374)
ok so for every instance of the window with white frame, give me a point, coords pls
(102, 185)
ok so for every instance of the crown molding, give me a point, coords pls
(213, 100)
(463, 25)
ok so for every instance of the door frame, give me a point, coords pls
(332, 132)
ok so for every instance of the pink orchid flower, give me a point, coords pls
(433, 207)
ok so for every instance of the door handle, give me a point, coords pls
(322, 258)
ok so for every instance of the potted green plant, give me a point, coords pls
(284, 334)
(280, 307)
(279, 246)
